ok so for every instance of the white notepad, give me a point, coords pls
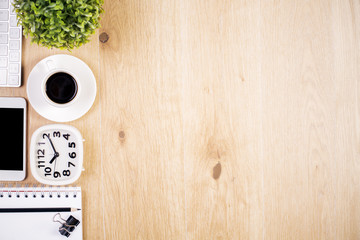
(39, 226)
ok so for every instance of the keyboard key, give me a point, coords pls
(3, 76)
(14, 33)
(3, 50)
(14, 56)
(12, 10)
(3, 61)
(4, 4)
(13, 80)
(3, 27)
(4, 15)
(14, 68)
(3, 38)
(14, 44)
(13, 21)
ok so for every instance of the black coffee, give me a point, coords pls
(61, 87)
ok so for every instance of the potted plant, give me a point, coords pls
(64, 24)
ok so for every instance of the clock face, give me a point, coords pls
(56, 154)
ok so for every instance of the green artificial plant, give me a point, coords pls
(64, 24)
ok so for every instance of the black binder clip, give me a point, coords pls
(67, 226)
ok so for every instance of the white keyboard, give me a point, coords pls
(10, 46)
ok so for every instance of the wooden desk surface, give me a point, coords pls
(220, 120)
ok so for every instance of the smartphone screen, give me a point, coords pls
(12, 139)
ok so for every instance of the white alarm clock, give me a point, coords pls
(56, 154)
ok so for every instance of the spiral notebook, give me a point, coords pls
(38, 225)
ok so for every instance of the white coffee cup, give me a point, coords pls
(61, 88)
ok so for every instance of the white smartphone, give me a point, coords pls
(13, 138)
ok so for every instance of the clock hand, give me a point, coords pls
(55, 165)
(52, 145)
(53, 159)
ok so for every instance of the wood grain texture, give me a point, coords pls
(220, 120)
(298, 120)
(141, 121)
(346, 40)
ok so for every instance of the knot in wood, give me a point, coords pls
(122, 134)
(104, 37)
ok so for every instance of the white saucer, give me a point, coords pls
(83, 100)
